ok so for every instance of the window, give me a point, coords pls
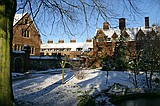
(42, 54)
(25, 33)
(14, 47)
(61, 49)
(26, 21)
(32, 50)
(18, 47)
(100, 49)
(100, 39)
(90, 49)
(109, 48)
(78, 49)
(68, 49)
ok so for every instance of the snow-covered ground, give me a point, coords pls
(44, 88)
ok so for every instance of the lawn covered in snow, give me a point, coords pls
(44, 88)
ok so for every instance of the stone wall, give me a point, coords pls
(43, 63)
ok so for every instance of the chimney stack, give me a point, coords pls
(105, 26)
(146, 22)
(88, 40)
(122, 24)
(61, 41)
(72, 40)
(50, 41)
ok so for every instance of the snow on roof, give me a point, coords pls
(17, 17)
(131, 31)
(73, 46)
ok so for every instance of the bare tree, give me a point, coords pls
(148, 44)
(72, 15)
(65, 12)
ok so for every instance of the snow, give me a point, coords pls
(45, 88)
(17, 17)
(131, 31)
(16, 51)
(17, 75)
(42, 57)
(73, 46)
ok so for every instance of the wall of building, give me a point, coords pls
(20, 60)
(32, 37)
(72, 50)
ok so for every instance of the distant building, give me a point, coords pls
(25, 33)
(72, 50)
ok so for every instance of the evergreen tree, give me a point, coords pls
(120, 62)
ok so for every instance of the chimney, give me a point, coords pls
(146, 22)
(50, 41)
(88, 40)
(105, 26)
(122, 24)
(60, 41)
(72, 40)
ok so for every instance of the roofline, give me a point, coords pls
(21, 18)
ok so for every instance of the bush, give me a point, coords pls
(86, 100)
(80, 74)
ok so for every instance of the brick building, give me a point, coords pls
(106, 39)
(72, 49)
(25, 33)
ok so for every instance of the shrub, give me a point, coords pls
(80, 74)
(86, 100)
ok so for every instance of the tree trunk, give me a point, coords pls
(146, 79)
(150, 79)
(135, 74)
(63, 75)
(7, 11)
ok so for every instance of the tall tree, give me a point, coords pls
(7, 11)
(151, 55)
(148, 44)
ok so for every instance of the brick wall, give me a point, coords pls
(33, 40)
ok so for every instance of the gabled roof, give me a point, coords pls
(18, 17)
(100, 31)
(114, 35)
(140, 33)
(152, 33)
(125, 34)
